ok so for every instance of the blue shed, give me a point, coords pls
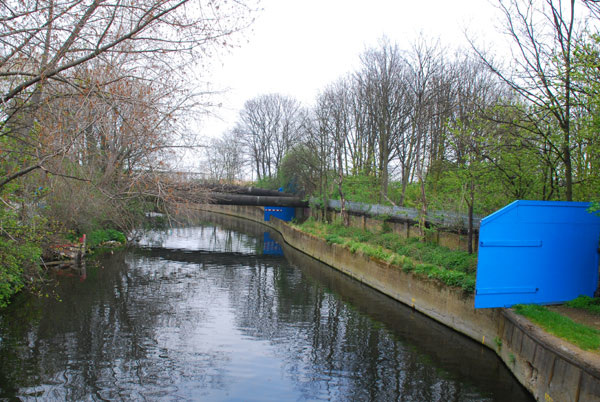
(541, 252)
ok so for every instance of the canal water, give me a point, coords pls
(221, 312)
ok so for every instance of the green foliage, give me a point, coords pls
(585, 337)
(430, 253)
(586, 157)
(309, 226)
(412, 195)
(498, 342)
(21, 236)
(591, 304)
(454, 268)
(367, 189)
(269, 183)
(298, 172)
(333, 239)
(386, 227)
(407, 264)
(101, 236)
(376, 252)
(360, 188)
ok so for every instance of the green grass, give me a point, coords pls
(591, 304)
(97, 237)
(454, 268)
(585, 337)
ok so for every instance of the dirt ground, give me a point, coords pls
(578, 315)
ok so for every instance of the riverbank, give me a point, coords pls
(550, 368)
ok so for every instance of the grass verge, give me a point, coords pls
(585, 337)
(454, 268)
(590, 304)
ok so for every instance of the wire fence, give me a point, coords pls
(438, 218)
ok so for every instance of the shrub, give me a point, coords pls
(21, 237)
(98, 237)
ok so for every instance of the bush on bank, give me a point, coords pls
(21, 238)
(28, 232)
(100, 237)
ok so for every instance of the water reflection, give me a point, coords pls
(203, 314)
(270, 246)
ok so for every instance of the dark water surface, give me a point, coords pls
(215, 312)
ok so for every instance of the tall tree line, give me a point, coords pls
(436, 128)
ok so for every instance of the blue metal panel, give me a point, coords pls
(540, 252)
(283, 213)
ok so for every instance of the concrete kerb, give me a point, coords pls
(550, 368)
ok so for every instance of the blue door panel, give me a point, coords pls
(537, 252)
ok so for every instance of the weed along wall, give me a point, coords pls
(454, 235)
(549, 368)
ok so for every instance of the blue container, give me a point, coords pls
(283, 213)
(541, 252)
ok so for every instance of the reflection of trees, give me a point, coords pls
(131, 330)
(331, 350)
(383, 352)
(205, 236)
(101, 337)
(334, 351)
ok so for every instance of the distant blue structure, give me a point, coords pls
(541, 252)
(271, 247)
(283, 213)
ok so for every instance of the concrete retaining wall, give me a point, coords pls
(455, 240)
(551, 369)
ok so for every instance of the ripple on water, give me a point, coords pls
(199, 313)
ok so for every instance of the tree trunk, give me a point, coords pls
(343, 212)
(470, 224)
(568, 169)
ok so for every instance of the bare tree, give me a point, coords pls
(223, 159)
(544, 35)
(115, 135)
(382, 88)
(425, 63)
(476, 93)
(269, 125)
(46, 46)
(334, 117)
(318, 139)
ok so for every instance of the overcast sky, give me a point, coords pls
(297, 47)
